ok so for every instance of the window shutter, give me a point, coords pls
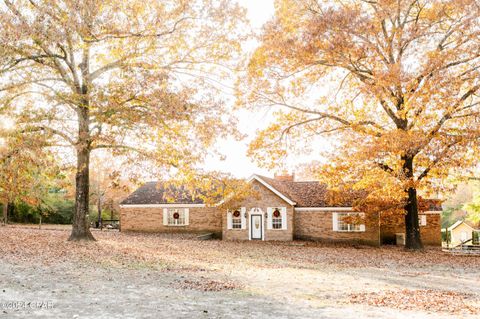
(229, 220)
(284, 217)
(335, 221)
(165, 216)
(269, 217)
(187, 216)
(362, 226)
(243, 211)
(423, 220)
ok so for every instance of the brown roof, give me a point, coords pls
(159, 193)
(304, 194)
(311, 194)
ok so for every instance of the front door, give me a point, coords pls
(256, 226)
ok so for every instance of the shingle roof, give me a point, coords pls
(304, 194)
(311, 194)
(158, 193)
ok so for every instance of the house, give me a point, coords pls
(462, 231)
(284, 210)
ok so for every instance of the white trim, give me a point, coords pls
(250, 221)
(284, 217)
(422, 219)
(187, 216)
(458, 223)
(430, 212)
(269, 218)
(335, 223)
(165, 217)
(229, 220)
(324, 209)
(270, 187)
(243, 212)
(162, 205)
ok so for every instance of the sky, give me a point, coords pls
(236, 161)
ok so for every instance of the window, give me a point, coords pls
(276, 219)
(176, 217)
(344, 222)
(422, 220)
(236, 220)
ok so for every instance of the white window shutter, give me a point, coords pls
(229, 220)
(335, 221)
(269, 217)
(423, 220)
(187, 216)
(284, 217)
(165, 216)
(243, 212)
(362, 226)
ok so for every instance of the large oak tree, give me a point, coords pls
(394, 85)
(132, 75)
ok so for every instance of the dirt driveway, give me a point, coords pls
(170, 276)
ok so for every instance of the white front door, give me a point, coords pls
(256, 226)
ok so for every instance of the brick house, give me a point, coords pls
(284, 210)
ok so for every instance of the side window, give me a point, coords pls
(236, 220)
(276, 219)
(176, 217)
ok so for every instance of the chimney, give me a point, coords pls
(285, 177)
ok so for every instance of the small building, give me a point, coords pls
(461, 232)
(283, 210)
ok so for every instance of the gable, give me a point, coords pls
(258, 180)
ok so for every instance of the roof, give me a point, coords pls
(152, 193)
(299, 194)
(460, 222)
(310, 194)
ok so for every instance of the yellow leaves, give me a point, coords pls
(257, 62)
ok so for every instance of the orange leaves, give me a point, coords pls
(392, 79)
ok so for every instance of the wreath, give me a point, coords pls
(236, 213)
(276, 213)
(176, 215)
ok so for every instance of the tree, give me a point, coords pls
(394, 85)
(119, 75)
(27, 170)
(108, 186)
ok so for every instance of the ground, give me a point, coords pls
(176, 276)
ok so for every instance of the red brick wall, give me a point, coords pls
(265, 199)
(318, 225)
(431, 233)
(201, 219)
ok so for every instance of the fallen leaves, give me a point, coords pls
(205, 284)
(422, 299)
(215, 265)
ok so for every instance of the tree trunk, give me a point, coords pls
(412, 227)
(99, 208)
(80, 226)
(5, 213)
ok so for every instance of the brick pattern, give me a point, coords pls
(265, 199)
(318, 225)
(430, 234)
(201, 219)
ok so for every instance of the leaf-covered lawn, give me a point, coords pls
(296, 273)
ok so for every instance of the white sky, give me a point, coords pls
(236, 161)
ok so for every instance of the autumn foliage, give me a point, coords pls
(394, 85)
